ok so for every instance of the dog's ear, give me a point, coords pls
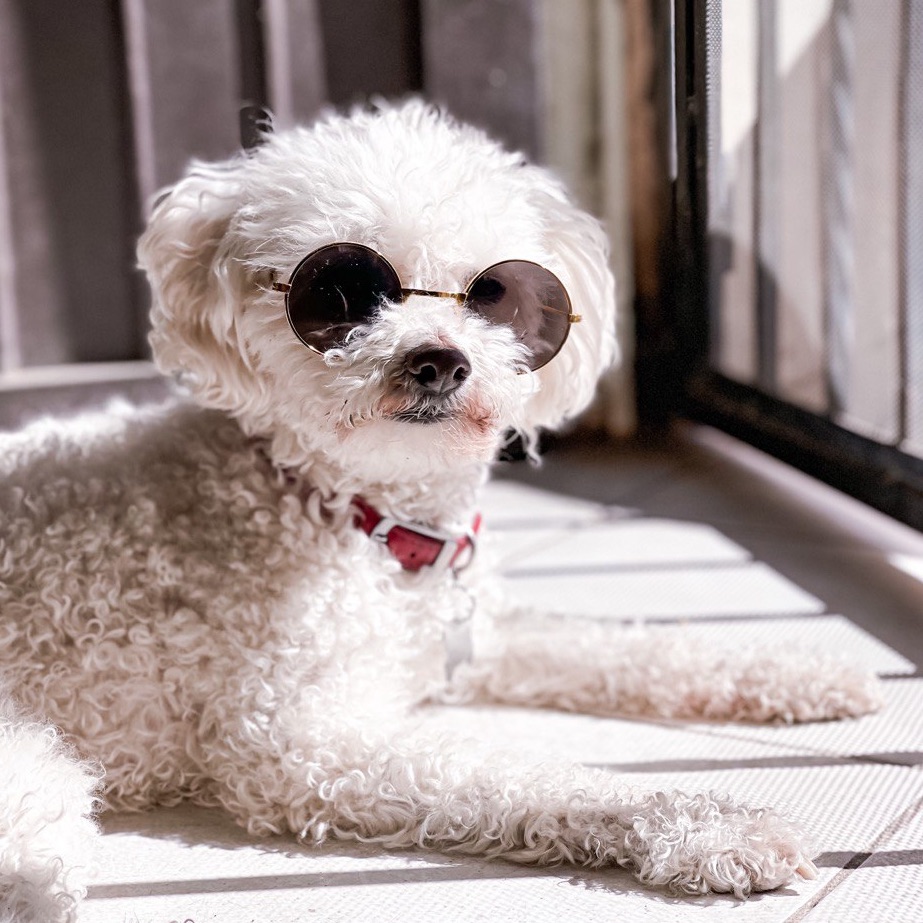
(568, 382)
(197, 286)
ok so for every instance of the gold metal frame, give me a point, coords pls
(458, 297)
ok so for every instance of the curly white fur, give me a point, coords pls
(46, 834)
(183, 590)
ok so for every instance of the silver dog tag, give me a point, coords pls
(457, 633)
(459, 646)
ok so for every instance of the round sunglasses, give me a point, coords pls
(341, 286)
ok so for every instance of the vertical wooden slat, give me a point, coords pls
(184, 82)
(650, 131)
(371, 47)
(838, 133)
(10, 350)
(872, 396)
(479, 58)
(31, 246)
(617, 402)
(69, 193)
(570, 48)
(733, 190)
(251, 54)
(795, 200)
(294, 60)
(766, 192)
(912, 221)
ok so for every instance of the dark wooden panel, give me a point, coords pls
(480, 58)
(294, 55)
(185, 84)
(372, 47)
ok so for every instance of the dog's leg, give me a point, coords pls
(46, 832)
(659, 673)
(430, 792)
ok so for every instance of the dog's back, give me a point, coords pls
(100, 517)
(149, 558)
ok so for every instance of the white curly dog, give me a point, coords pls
(238, 599)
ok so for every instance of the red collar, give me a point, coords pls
(417, 546)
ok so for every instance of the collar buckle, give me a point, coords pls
(453, 548)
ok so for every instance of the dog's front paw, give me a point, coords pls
(703, 843)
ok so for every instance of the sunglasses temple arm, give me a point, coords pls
(571, 318)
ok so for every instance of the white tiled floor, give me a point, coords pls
(701, 531)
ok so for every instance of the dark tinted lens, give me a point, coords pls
(529, 298)
(335, 289)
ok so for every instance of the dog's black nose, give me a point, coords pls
(438, 370)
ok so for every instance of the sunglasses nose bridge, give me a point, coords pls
(457, 297)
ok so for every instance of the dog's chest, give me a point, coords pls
(170, 562)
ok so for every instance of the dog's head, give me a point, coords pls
(423, 382)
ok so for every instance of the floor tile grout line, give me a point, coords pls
(706, 618)
(807, 760)
(805, 536)
(739, 734)
(902, 819)
(616, 512)
(589, 570)
(302, 880)
(882, 858)
(890, 677)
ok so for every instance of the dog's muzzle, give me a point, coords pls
(429, 378)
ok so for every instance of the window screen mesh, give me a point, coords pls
(815, 182)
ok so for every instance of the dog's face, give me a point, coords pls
(423, 383)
